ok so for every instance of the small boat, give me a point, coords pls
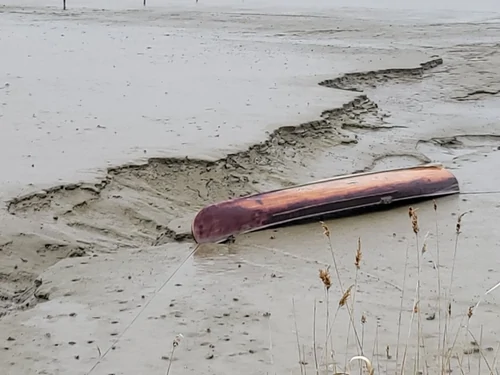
(345, 195)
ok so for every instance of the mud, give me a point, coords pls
(358, 81)
(145, 199)
(477, 95)
(98, 277)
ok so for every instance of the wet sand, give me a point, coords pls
(194, 106)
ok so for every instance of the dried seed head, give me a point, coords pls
(410, 212)
(346, 295)
(359, 255)
(387, 352)
(435, 205)
(415, 307)
(470, 312)
(326, 230)
(449, 308)
(424, 248)
(363, 319)
(324, 275)
(414, 221)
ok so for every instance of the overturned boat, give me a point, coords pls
(319, 199)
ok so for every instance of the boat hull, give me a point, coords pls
(352, 193)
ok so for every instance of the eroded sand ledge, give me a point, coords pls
(140, 205)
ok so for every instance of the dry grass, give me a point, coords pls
(445, 358)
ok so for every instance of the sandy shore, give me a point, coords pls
(118, 125)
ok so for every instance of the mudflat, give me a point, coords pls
(118, 125)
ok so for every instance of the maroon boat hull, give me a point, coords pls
(217, 222)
